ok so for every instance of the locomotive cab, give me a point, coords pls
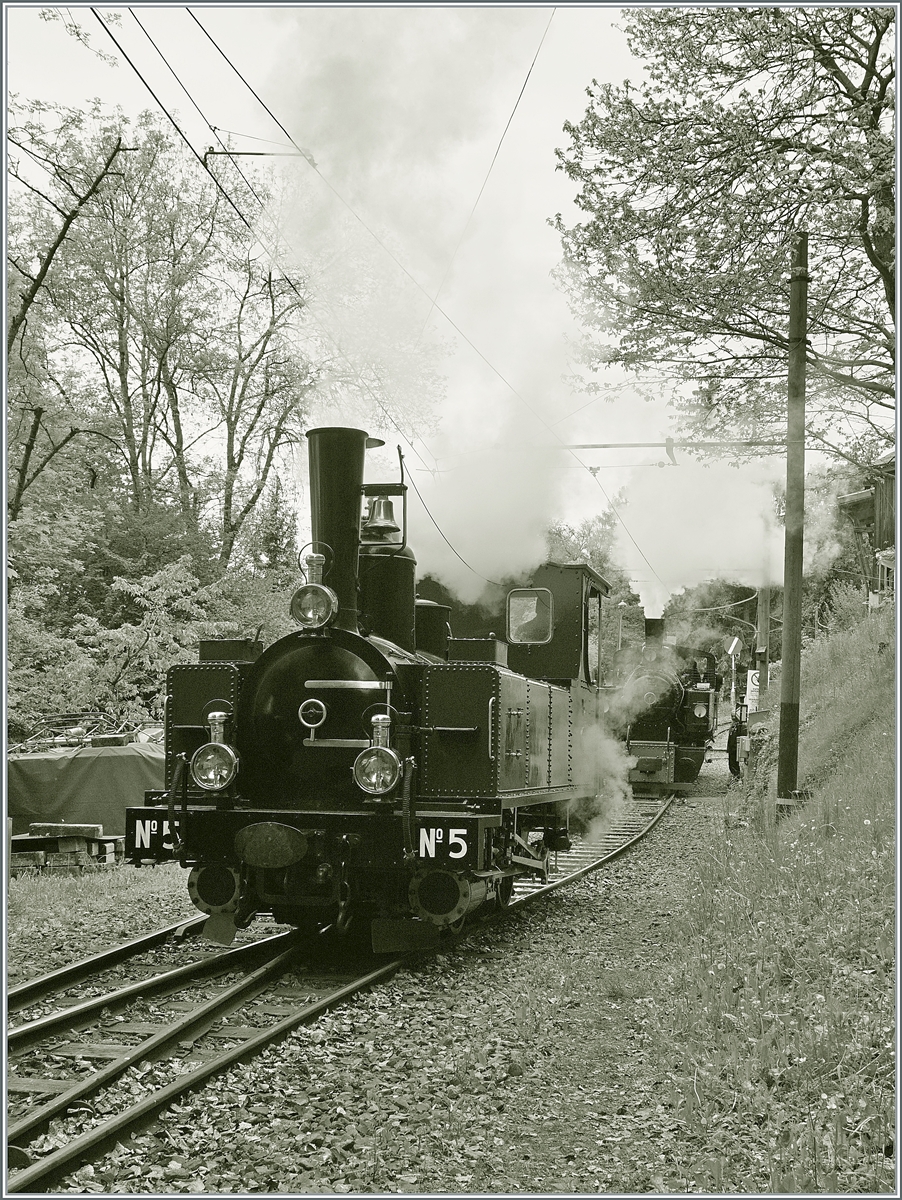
(551, 622)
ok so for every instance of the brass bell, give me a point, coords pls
(380, 521)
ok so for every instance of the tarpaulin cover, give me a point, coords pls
(84, 786)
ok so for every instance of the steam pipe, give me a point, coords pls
(654, 631)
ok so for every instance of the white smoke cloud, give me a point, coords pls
(600, 772)
(398, 107)
(701, 521)
(492, 505)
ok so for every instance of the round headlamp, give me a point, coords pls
(314, 605)
(700, 710)
(214, 766)
(377, 770)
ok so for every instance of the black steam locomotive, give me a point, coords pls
(664, 703)
(370, 769)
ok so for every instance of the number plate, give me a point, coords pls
(448, 842)
(147, 834)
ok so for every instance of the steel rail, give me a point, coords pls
(94, 1141)
(31, 990)
(37, 1120)
(21, 1036)
(553, 885)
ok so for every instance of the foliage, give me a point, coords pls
(592, 542)
(162, 363)
(754, 123)
(48, 672)
(116, 659)
(782, 1016)
(272, 540)
(166, 329)
(847, 607)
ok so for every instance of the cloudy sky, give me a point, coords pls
(433, 131)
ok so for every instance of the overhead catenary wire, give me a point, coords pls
(386, 249)
(485, 181)
(172, 120)
(441, 531)
(363, 383)
(420, 287)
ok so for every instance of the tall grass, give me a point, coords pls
(782, 1017)
(53, 919)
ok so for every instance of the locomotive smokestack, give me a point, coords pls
(654, 631)
(336, 480)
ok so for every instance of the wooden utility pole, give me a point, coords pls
(791, 670)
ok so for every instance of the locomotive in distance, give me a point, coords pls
(370, 770)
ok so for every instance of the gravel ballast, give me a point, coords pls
(523, 1061)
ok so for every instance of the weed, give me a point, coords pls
(783, 1040)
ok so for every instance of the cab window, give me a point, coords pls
(530, 616)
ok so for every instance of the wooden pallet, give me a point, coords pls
(63, 849)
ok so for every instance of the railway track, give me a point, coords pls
(185, 1024)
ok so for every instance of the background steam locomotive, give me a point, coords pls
(666, 708)
(369, 768)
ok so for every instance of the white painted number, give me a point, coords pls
(144, 831)
(458, 836)
(430, 838)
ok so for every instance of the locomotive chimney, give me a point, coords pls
(336, 480)
(654, 631)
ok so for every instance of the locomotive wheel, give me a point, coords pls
(505, 890)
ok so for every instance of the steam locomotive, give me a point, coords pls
(369, 769)
(665, 706)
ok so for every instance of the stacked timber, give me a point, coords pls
(64, 849)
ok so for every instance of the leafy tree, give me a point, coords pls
(272, 536)
(161, 367)
(166, 331)
(131, 660)
(78, 183)
(753, 123)
(56, 184)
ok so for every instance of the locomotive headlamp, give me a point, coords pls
(214, 766)
(314, 605)
(378, 768)
(700, 710)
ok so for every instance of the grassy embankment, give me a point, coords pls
(781, 1017)
(56, 919)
